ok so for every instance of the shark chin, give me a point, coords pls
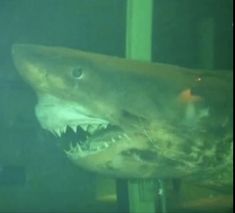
(132, 119)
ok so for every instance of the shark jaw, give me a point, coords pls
(131, 119)
(91, 134)
(57, 116)
(95, 143)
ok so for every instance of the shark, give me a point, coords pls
(132, 119)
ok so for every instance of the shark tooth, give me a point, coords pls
(103, 126)
(52, 131)
(64, 129)
(103, 146)
(84, 127)
(71, 148)
(106, 145)
(74, 128)
(78, 148)
(92, 128)
(126, 136)
(58, 133)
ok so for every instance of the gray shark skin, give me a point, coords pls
(132, 119)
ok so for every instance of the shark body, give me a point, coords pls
(132, 119)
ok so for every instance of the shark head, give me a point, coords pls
(126, 118)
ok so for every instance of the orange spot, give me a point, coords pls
(186, 96)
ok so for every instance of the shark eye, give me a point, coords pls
(77, 72)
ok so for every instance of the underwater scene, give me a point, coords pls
(116, 106)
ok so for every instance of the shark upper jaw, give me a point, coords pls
(91, 134)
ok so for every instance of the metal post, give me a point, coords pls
(138, 46)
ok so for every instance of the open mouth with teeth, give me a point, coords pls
(78, 134)
(87, 139)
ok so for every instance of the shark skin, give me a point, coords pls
(132, 119)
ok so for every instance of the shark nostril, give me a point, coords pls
(77, 72)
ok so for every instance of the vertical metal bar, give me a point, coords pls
(138, 46)
(139, 29)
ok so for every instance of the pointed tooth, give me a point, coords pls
(71, 149)
(74, 128)
(102, 146)
(64, 129)
(53, 132)
(57, 131)
(97, 148)
(70, 146)
(84, 127)
(126, 136)
(74, 147)
(92, 128)
(78, 147)
(103, 126)
(106, 145)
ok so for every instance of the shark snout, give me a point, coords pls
(25, 57)
(22, 51)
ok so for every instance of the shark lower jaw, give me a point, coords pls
(79, 133)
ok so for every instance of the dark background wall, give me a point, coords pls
(178, 32)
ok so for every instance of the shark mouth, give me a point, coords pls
(79, 133)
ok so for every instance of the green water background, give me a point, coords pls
(52, 183)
